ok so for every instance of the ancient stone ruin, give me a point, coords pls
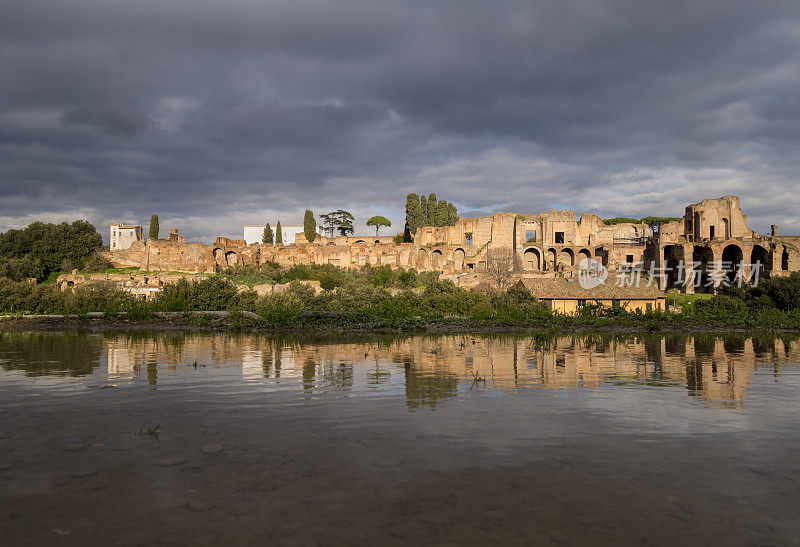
(712, 233)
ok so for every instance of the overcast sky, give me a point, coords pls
(219, 114)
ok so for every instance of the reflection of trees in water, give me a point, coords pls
(429, 387)
(152, 370)
(675, 344)
(694, 376)
(272, 359)
(378, 376)
(309, 372)
(764, 345)
(338, 374)
(63, 354)
(734, 343)
(704, 345)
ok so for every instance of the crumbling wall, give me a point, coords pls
(720, 218)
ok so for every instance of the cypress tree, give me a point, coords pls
(440, 214)
(413, 214)
(278, 234)
(267, 236)
(432, 211)
(154, 226)
(423, 208)
(452, 214)
(309, 226)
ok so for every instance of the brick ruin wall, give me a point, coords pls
(550, 243)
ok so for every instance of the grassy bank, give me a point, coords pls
(383, 299)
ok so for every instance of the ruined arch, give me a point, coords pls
(458, 258)
(231, 259)
(377, 241)
(583, 253)
(436, 259)
(219, 256)
(423, 261)
(551, 259)
(531, 259)
(732, 257)
(360, 241)
(760, 259)
(790, 258)
(566, 257)
(673, 256)
(702, 262)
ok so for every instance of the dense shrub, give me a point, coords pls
(19, 269)
(211, 294)
(392, 298)
(782, 293)
(24, 297)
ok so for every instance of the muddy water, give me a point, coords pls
(210, 438)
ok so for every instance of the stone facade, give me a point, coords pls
(549, 244)
(713, 241)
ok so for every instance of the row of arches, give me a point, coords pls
(532, 258)
(732, 258)
(436, 260)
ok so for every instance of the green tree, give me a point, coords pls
(423, 206)
(339, 220)
(267, 237)
(327, 224)
(431, 211)
(278, 234)
(154, 226)
(414, 216)
(440, 215)
(620, 220)
(378, 221)
(39, 249)
(309, 226)
(452, 214)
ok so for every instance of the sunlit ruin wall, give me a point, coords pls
(712, 233)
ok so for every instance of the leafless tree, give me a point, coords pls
(500, 266)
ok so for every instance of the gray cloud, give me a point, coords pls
(114, 122)
(220, 114)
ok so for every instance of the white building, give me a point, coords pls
(123, 235)
(253, 233)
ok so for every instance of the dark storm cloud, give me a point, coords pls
(118, 123)
(218, 114)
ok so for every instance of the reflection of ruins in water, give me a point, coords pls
(431, 369)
